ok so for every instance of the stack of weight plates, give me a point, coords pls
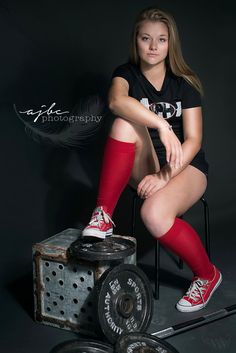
(124, 303)
(142, 343)
(83, 346)
(129, 343)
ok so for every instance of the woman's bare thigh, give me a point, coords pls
(180, 194)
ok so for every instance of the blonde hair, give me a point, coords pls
(174, 60)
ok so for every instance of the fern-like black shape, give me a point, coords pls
(82, 126)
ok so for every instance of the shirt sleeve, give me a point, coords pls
(124, 72)
(190, 96)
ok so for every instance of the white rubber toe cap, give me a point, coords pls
(185, 307)
(183, 302)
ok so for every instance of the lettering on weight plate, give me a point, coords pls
(108, 316)
(131, 324)
(107, 302)
(138, 294)
(135, 345)
(112, 325)
(115, 286)
(161, 350)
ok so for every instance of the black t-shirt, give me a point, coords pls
(176, 94)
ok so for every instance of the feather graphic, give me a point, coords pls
(80, 126)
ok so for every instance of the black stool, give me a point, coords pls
(157, 244)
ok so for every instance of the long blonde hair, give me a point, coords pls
(174, 60)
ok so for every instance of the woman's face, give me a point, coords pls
(152, 42)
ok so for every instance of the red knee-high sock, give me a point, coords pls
(182, 239)
(116, 170)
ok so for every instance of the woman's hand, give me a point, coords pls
(174, 152)
(150, 184)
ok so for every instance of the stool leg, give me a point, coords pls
(134, 215)
(207, 227)
(157, 269)
(180, 263)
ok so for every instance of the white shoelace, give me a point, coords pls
(197, 289)
(99, 216)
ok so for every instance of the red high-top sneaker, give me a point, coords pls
(199, 293)
(100, 225)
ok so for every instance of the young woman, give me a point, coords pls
(155, 146)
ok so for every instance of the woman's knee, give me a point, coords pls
(156, 219)
(123, 130)
(150, 215)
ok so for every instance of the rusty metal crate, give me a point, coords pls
(63, 288)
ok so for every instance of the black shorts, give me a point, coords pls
(199, 161)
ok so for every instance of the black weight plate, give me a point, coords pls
(83, 346)
(125, 301)
(142, 343)
(112, 248)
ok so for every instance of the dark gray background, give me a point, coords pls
(56, 51)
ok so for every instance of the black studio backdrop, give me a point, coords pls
(60, 51)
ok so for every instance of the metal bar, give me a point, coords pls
(207, 226)
(190, 324)
(157, 269)
(134, 215)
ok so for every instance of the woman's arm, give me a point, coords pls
(121, 104)
(192, 126)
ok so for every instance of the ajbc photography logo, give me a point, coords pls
(51, 114)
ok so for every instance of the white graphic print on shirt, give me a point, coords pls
(164, 109)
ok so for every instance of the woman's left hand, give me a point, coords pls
(150, 184)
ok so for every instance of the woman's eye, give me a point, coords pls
(163, 40)
(145, 38)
